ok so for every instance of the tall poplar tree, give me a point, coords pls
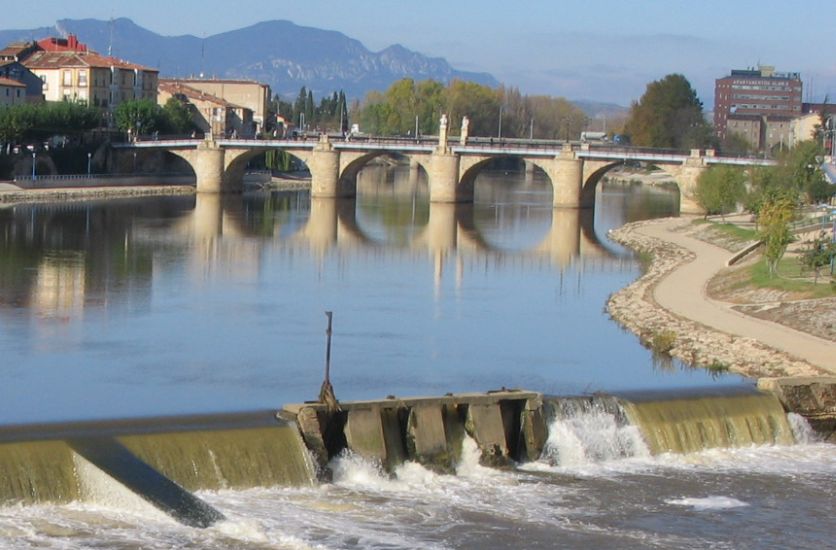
(668, 115)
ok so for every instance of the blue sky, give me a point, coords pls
(600, 50)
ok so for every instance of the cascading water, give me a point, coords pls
(693, 423)
(584, 430)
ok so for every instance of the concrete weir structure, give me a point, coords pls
(159, 462)
(506, 425)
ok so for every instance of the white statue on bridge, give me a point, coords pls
(442, 132)
(464, 132)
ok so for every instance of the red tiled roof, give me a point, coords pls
(58, 60)
(11, 83)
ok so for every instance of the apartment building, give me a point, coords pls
(758, 104)
(247, 94)
(211, 114)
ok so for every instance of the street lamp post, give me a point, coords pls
(33, 166)
(89, 159)
(499, 132)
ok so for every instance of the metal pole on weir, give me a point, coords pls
(326, 392)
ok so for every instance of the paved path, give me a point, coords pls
(683, 292)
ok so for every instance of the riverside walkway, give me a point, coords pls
(683, 292)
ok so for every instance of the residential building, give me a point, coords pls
(773, 97)
(99, 80)
(818, 121)
(243, 93)
(70, 71)
(33, 86)
(18, 51)
(211, 114)
(12, 92)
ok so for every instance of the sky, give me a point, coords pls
(597, 50)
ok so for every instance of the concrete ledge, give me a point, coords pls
(812, 397)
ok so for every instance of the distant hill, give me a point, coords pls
(284, 55)
(594, 109)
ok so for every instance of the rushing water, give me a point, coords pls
(174, 305)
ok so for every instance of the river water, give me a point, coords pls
(211, 304)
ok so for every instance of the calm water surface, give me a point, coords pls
(192, 304)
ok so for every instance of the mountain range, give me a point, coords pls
(279, 53)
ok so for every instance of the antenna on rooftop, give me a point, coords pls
(110, 44)
(202, 53)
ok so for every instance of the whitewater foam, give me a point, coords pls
(708, 503)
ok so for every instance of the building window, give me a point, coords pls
(82, 78)
(68, 78)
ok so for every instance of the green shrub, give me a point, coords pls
(663, 341)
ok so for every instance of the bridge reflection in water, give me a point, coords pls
(218, 227)
(75, 249)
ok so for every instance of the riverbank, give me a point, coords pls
(669, 309)
(10, 194)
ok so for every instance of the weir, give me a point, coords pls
(158, 459)
(161, 460)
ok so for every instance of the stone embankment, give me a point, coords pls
(635, 308)
(13, 196)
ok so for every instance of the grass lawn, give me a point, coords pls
(793, 277)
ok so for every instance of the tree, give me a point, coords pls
(719, 189)
(39, 121)
(774, 218)
(177, 117)
(800, 168)
(669, 115)
(735, 143)
(138, 116)
(818, 254)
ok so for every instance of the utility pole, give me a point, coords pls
(499, 133)
(326, 392)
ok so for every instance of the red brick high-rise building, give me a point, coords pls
(758, 104)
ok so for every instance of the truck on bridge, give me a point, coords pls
(593, 136)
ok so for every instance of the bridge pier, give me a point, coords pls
(566, 175)
(444, 178)
(325, 171)
(209, 168)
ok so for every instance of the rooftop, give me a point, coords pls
(763, 71)
(58, 60)
(175, 87)
(11, 83)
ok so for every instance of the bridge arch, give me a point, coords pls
(471, 170)
(594, 172)
(236, 160)
(351, 165)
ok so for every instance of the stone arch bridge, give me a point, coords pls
(573, 169)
